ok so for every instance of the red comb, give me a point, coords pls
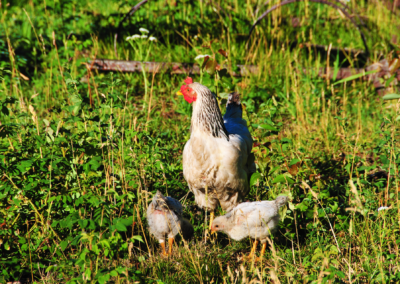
(188, 80)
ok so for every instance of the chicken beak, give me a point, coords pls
(179, 93)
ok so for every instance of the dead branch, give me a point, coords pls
(245, 70)
(151, 67)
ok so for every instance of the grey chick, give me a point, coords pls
(164, 216)
(251, 219)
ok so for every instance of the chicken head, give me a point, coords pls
(188, 93)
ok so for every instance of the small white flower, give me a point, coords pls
(383, 208)
(201, 56)
(128, 38)
(143, 30)
(196, 37)
(152, 38)
(133, 37)
(144, 36)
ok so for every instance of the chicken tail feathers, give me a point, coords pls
(186, 229)
(233, 106)
(281, 200)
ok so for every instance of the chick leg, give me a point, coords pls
(253, 250)
(162, 243)
(211, 219)
(264, 246)
(170, 242)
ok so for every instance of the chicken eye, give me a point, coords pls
(216, 226)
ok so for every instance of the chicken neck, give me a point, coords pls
(206, 116)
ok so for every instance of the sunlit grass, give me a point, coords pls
(80, 158)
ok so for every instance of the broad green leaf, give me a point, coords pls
(138, 238)
(64, 245)
(114, 273)
(254, 178)
(88, 273)
(128, 221)
(22, 240)
(121, 227)
(268, 127)
(120, 269)
(283, 179)
(391, 97)
(294, 161)
(104, 278)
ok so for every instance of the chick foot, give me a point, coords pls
(170, 242)
(261, 257)
(252, 252)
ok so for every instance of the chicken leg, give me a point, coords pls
(170, 242)
(264, 246)
(211, 219)
(253, 250)
(162, 243)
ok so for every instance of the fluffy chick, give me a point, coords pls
(251, 219)
(164, 216)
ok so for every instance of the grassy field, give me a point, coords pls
(82, 152)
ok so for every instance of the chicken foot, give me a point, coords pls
(253, 250)
(170, 243)
(264, 246)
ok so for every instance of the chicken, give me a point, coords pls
(217, 159)
(251, 219)
(164, 216)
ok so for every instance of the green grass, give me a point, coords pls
(80, 159)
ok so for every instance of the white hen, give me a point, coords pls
(164, 216)
(217, 159)
(251, 219)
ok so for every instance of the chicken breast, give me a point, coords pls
(217, 159)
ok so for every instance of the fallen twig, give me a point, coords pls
(245, 70)
(176, 68)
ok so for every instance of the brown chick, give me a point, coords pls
(164, 216)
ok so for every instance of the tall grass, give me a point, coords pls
(82, 152)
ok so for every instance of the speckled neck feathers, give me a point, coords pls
(206, 115)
